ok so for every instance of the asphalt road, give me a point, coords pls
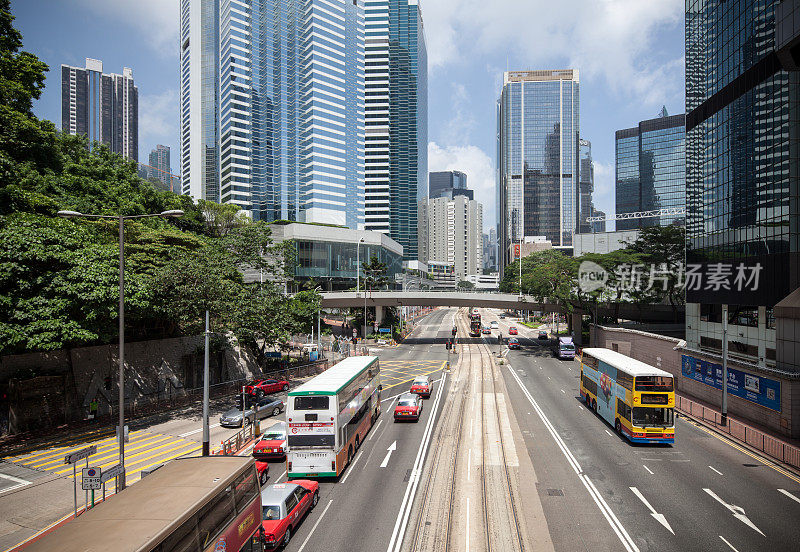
(703, 493)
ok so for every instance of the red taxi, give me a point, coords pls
(270, 446)
(267, 386)
(283, 507)
(408, 407)
(422, 386)
(512, 330)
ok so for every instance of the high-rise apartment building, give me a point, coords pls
(585, 186)
(742, 138)
(537, 147)
(651, 170)
(455, 234)
(103, 106)
(396, 145)
(272, 107)
(159, 160)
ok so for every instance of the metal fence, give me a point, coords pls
(775, 448)
(234, 444)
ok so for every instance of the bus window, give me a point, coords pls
(653, 383)
(590, 361)
(623, 410)
(183, 539)
(590, 385)
(313, 440)
(653, 417)
(214, 516)
(311, 403)
(625, 380)
(245, 490)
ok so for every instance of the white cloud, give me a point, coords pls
(158, 121)
(158, 20)
(608, 39)
(462, 121)
(478, 167)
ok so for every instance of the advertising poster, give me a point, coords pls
(757, 389)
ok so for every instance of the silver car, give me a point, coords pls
(258, 408)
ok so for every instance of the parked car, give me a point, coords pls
(408, 407)
(256, 409)
(513, 330)
(486, 330)
(267, 386)
(283, 506)
(422, 386)
(513, 343)
(542, 334)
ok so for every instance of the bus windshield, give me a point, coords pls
(311, 403)
(653, 383)
(653, 417)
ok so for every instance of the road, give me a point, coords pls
(703, 493)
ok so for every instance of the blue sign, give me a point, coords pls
(273, 354)
(385, 330)
(750, 387)
(313, 355)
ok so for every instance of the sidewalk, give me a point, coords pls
(777, 447)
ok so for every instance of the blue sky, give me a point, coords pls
(629, 54)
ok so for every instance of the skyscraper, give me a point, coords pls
(396, 147)
(159, 160)
(586, 186)
(537, 134)
(448, 184)
(105, 107)
(742, 137)
(272, 103)
(651, 170)
(455, 235)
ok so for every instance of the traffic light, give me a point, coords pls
(449, 345)
(454, 331)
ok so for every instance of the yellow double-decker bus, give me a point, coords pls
(634, 397)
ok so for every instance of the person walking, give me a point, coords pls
(93, 406)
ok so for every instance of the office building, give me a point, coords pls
(103, 106)
(585, 186)
(159, 160)
(396, 122)
(272, 107)
(651, 170)
(443, 182)
(600, 225)
(603, 242)
(742, 133)
(485, 282)
(455, 234)
(537, 151)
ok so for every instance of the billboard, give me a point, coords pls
(750, 387)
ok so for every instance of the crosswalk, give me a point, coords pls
(144, 450)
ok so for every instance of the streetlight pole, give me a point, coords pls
(724, 420)
(358, 278)
(121, 218)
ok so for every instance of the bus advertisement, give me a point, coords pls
(328, 417)
(634, 397)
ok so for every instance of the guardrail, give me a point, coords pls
(775, 448)
(234, 444)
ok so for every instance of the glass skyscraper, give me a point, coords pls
(586, 186)
(651, 170)
(287, 112)
(742, 166)
(396, 146)
(538, 129)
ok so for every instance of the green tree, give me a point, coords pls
(375, 274)
(465, 284)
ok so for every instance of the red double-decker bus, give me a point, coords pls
(475, 324)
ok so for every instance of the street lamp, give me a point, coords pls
(174, 213)
(358, 273)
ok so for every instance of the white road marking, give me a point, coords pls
(210, 427)
(648, 469)
(391, 449)
(467, 532)
(609, 433)
(563, 391)
(280, 476)
(396, 540)
(352, 466)
(390, 407)
(737, 511)
(302, 546)
(729, 544)
(790, 495)
(658, 517)
(470, 427)
(375, 429)
(715, 469)
(611, 518)
(19, 482)
(579, 406)
(469, 464)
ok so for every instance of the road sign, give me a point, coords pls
(80, 455)
(273, 354)
(385, 330)
(111, 473)
(91, 479)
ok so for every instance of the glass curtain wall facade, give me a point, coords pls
(290, 109)
(741, 167)
(586, 208)
(396, 143)
(651, 170)
(538, 168)
(442, 181)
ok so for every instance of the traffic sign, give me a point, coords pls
(355, 332)
(91, 479)
(80, 455)
(385, 330)
(273, 354)
(112, 472)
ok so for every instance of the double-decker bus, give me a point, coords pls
(634, 397)
(198, 504)
(328, 417)
(475, 324)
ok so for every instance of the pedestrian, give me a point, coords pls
(93, 409)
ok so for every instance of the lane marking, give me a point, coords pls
(210, 427)
(609, 433)
(737, 511)
(790, 495)
(390, 406)
(390, 450)
(305, 542)
(19, 483)
(396, 540)
(374, 429)
(729, 544)
(563, 391)
(609, 515)
(658, 517)
(648, 469)
(715, 469)
(469, 465)
(579, 406)
(467, 532)
(352, 466)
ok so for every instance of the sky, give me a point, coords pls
(629, 54)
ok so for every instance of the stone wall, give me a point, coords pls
(665, 353)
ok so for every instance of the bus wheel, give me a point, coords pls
(618, 426)
(594, 405)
